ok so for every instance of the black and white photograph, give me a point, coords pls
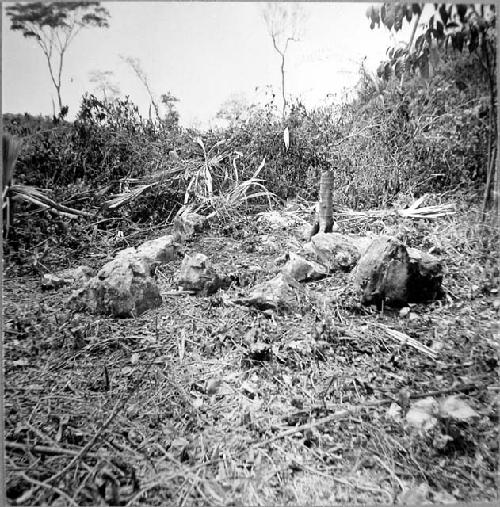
(249, 254)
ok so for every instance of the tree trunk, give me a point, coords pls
(283, 83)
(326, 201)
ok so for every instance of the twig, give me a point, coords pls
(44, 449)
(327, 407)
(404, 339)
(157, 483)
(346, 482)
(61, 493)
(90, 443)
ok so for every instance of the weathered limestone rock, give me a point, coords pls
(303, 270)
(280, 293)
(389, 272)
(188, 223)
(278, 219)
(199, 276)
(338, 251)
(160, 250)
(124, 287)
(70, 276)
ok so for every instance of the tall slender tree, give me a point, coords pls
(285, 23)
(54, 26)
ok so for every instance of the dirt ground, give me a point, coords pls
(206, 402)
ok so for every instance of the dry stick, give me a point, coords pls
(61, 493)
(36, 197)
(90, 443)
(345, 482)
(350, 411)
(157, 483)
(44, 449)
(406, 340)
(386, 401)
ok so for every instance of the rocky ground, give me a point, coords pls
(207, 401)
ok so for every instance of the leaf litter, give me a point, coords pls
(204, 401)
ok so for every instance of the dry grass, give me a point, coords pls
(182, 407)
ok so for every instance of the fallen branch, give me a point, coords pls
(404, 339)
(34, 196)
(330, 407)
(413, 211)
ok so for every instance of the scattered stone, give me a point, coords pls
(496, 304)
(389, 272)
(338, 251)
(413, 317)
(303, 270)
(187, 224)
(279, 219)
(394, 412)
(280, 293)
(267, 243)
(404, 312)
(197, 275)
(160, 250)
(416, 496)
(455, 408)
(78, 275)
(122, 288)
(443, 497)
(422, 414)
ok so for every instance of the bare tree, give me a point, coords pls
(135, 65)
(285, 23)
(54, 25)
(104, 83)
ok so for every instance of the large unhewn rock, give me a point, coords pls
(303, 270)
(390, 272)
(153, 252)
(280, 293)
(197, 275)
(338, 251)
(124, 287)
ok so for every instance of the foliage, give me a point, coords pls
(54, 25)
(450, 27)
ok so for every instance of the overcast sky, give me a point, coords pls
(202, 52)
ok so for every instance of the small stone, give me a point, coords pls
(413, 317)
(496, 304)
(404, 312)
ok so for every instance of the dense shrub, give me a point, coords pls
(428, 135)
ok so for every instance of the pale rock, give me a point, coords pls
(70, 276)
(187, 224)
(280, 293)
(338, 251)
(455, 408)
(122, 288)
(303, 270)
(422, 414)
(404, 312)
(197, 275)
